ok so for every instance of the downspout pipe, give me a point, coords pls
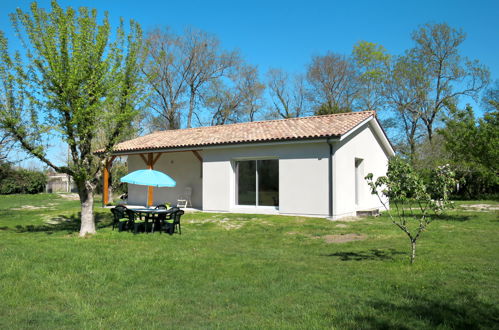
(330, 177)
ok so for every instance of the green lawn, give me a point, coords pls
(244, 271)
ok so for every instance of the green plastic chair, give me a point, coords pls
(172, 224)
(121, 217)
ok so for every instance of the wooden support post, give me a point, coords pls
(105, 186)
(198, 156)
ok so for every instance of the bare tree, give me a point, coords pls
(206, 62)
(490, 99)
(252, 91)
(450, 75)
(288, 94)
(333, 82)
(405, 90)
(166, 71)
(235, 98)
(224, 102)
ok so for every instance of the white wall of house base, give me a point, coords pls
(303, 186)
(303, 175)
(361, 145)
(183, 167)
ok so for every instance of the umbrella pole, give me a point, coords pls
(149, 195)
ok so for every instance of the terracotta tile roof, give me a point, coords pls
(262, 131)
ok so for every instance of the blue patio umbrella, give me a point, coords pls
(150, 178)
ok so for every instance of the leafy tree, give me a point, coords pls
(473, 146)
(74, 82)
(412, 198)
(7, 143)
(373, 63)
(20, 181)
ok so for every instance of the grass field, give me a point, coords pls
(244, 271)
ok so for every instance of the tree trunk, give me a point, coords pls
(413, 253)
(429, 128)
(191, 109)
(86, 194)
(110, 188)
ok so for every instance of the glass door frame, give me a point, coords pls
(236, 182)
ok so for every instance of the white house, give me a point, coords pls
(311, 166)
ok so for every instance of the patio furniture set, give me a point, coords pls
(147, 220)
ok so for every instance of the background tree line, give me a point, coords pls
(194, 81)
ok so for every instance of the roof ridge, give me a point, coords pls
(268, 121)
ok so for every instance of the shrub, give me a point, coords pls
(21, 181)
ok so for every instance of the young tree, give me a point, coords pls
(333, 82)
(412, 199)
(449, 75)
(74, 82)
(288, 94)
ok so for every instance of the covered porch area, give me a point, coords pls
(185, 167)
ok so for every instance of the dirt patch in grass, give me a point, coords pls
(32, 207)
(350, 219)
(341, 225)
(226, 223)
(480, 207)
(330, 239)
(73, 197)
(29, 207)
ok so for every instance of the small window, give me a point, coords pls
(359, 176)
(257, 182)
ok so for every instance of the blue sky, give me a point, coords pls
(286, 34)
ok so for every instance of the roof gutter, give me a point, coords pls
(222, 146)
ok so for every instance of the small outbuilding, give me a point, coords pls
(309, 166)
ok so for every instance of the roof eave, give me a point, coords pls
(224, 145)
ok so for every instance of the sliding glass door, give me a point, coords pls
(257, 182)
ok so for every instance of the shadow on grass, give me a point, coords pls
(461, 311)
(69, 224)
(453, 217)
(373, 254)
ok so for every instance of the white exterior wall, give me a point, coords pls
(183, 167)
(361, 144)
(303, 173)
